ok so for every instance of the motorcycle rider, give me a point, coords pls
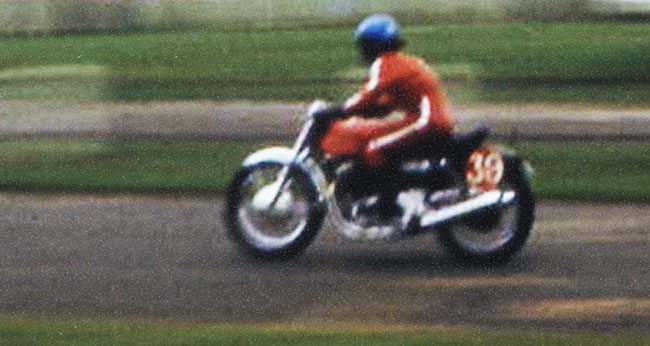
(370, 128)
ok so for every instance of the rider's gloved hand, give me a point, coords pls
(330, 114)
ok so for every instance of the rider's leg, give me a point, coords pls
(351, 136)
(367, 182)
(388, 190)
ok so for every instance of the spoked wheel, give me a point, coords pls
(268, 223)
(495, 234)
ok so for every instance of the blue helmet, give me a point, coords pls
(378, 29)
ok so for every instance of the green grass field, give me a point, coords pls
(596, 171)
(19, 331)
(119, 167)
(599, 63)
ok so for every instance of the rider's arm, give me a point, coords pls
(371, 100)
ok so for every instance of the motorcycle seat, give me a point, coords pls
(470, 141)
(462, 145)
(456, 147)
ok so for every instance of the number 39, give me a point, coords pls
(484, 169)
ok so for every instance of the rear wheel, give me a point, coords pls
(495, 234)
(269, 224)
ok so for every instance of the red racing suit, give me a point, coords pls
(397, 83)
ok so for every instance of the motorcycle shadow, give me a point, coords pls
(424, 261)
(383, 258)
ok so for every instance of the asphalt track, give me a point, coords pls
(587, 267)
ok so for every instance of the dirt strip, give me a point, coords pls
(206, 119)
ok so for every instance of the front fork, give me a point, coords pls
(302, 152)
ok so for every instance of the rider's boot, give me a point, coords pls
(388, 208)
(388, 211)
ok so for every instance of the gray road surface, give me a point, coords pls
(587, 267)
(211, 119)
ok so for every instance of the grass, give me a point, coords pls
(596, 171)
(112, 167)
(553, 62)
(17, 331)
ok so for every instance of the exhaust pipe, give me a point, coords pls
(484, 200)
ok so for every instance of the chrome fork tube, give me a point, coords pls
(301, 152)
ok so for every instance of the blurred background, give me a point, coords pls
(20, 16)
(155, 67)
(294, 50)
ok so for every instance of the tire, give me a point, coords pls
(263, 233)
(509, 227)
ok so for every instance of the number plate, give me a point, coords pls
(484, 169)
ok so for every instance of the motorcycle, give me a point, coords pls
(475, 197)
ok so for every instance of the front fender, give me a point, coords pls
(285, 156)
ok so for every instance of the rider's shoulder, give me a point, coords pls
(399, 58)
(397, 64)
(392, 57)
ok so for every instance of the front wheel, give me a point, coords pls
(496, 234)
(268, 223)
